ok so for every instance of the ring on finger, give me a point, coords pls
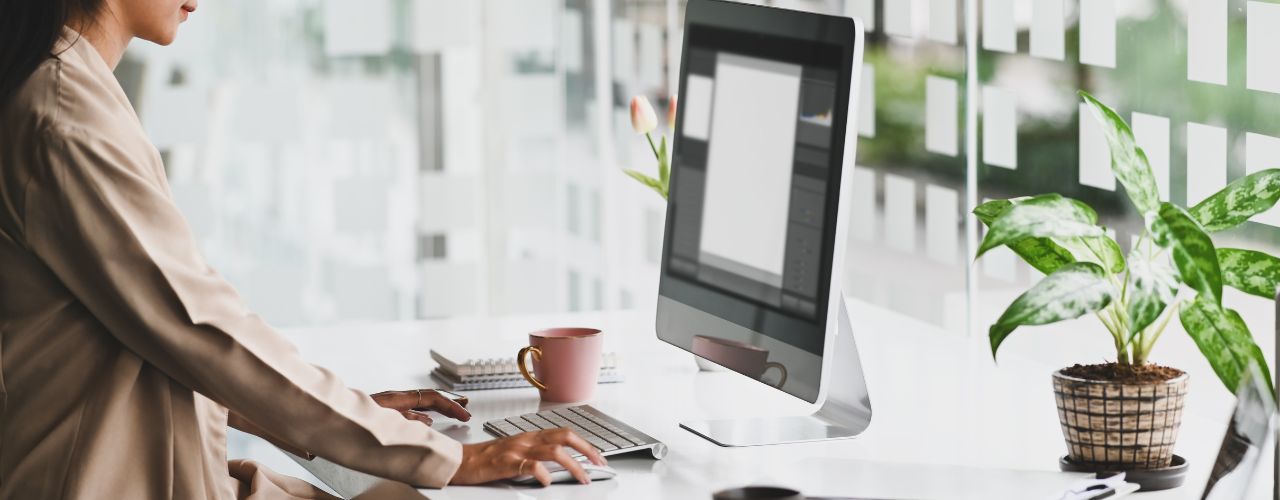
(520, 471)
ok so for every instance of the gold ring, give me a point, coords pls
(520, 472)
(419, 403)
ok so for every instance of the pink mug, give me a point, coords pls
(566, 362)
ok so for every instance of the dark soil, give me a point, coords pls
(1129, 374)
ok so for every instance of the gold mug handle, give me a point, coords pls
(783, 369)
(537, 356)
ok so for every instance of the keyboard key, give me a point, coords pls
(522, 424)
(617, 441)
(557, 419)
(506, 428)
(537, 420)
(600, 443)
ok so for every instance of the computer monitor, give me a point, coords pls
(1250, 432)
(757, 213)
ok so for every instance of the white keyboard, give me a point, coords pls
(607, 434)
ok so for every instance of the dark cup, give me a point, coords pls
(758, 493)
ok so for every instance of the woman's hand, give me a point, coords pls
(414, 404)
(523, 454)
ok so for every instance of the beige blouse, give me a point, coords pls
(121, 350)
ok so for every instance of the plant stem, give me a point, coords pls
(1124, 289)
(1121, 356)
(651, 146)
(1144, 349)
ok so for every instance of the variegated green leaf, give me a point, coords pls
(652, 183)
(1193, 254)
(1224, 340)
(1153, 284)
(1101, 250)
(1128, 162)
(1251, 272)
(1041, 253)
(1043, 216)
(1070, 292)
(988, 212)
(1240, 200)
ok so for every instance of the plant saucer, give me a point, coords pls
(1163, 478)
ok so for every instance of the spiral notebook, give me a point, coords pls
(483, 382)
(462, 365)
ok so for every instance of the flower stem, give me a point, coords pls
(652, 146)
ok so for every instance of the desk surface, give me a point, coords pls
(947, 422)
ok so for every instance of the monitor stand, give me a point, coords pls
(845, 413)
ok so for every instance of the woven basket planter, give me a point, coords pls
(1120, 426)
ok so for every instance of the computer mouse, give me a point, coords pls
(561, 475)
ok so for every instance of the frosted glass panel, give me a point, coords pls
(998, 32)
(900, 213)
(1206, 161)
(440, 24)
(1048, 18)
(1263, 152)
(898, 18)
(1098, 32)
(999, 127)
(942, 226)
(867, 102)
(1263, 38)
(357, 27)
(1151, 133)
(1207, 41)
(942, 21)
(1095, 157)
(942, 115)
(907, 246)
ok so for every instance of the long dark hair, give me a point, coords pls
(28, 31)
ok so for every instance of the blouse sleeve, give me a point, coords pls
(110, 231)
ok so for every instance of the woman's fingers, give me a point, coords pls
(525, 454)
(392, 399)
(540, 472)
(566, 437)
(417, 415)
(556, 453)
(432, 400)
(423, 399)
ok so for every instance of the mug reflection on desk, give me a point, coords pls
(738, 356)
(566, 363)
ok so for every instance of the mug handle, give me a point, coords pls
(537, 356)
(783, 369)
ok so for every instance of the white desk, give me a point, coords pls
(947, 422)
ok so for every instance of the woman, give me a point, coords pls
(123, 355)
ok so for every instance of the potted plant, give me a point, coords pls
(1124, 415)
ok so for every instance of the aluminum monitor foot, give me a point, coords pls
(845, 412)
(762, 431)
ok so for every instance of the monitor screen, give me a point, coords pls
(751, 218)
